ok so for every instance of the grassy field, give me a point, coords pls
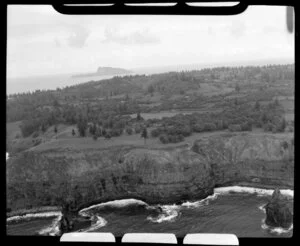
(171, 113)
(80, 143)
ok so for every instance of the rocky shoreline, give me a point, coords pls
(21, 212)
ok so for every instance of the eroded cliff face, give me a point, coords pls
(36, 178)
(254, 158)
(155, 176)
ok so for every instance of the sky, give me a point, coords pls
(41, 41)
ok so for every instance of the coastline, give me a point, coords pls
(22, 212)
(238, 187)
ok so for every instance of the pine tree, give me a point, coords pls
(138, 116)
(43, 128)
(144, 134)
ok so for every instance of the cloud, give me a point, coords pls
(57, 43)
(113, 35)
(237, 29)
(78, 37)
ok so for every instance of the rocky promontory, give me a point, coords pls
(278, 213)
(104, 71)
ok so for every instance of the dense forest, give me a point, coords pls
(103, 108)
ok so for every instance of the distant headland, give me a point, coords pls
(104, 71)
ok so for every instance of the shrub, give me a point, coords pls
(281, 125)
(164, 139)
(82, 126)
(268, 127)
(116, 132)
(210, 127)
(175, 138)
(246, 126)
(186, 131)
(284, 144)
(107, 135)
(220, 125)
(29, 126)
(139, 117)
(234, 128)
(137, 129)
(180, 138)
(144, 133)
(172, 138)
(289, 128)
(129, 130)
(197, 128)
(155, 133)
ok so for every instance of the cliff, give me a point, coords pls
(38, 178)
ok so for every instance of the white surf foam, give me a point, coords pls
(276, 230)
(97, 222)
(169, 214)
(252, 190)
(262, 208)
(53, 229)
(34, 215)
(200, 203)
(115, 204)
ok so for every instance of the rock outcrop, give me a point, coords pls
(278, 213)
(46, 177)
(104, 71)
(71, 220)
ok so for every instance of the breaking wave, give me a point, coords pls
(276, 230)
(251, 190)
(97, 222)
(53, 229)
(169, 213)
(33, 216)
(203, 202)
(130, 204)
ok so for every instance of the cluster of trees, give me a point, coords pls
(113, 126)
(174, 129)
(41, 109)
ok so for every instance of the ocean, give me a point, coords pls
(47, 82)
(234, 210)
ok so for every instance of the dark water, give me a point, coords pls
(238, 213)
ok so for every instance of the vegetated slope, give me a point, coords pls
(48, 177)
